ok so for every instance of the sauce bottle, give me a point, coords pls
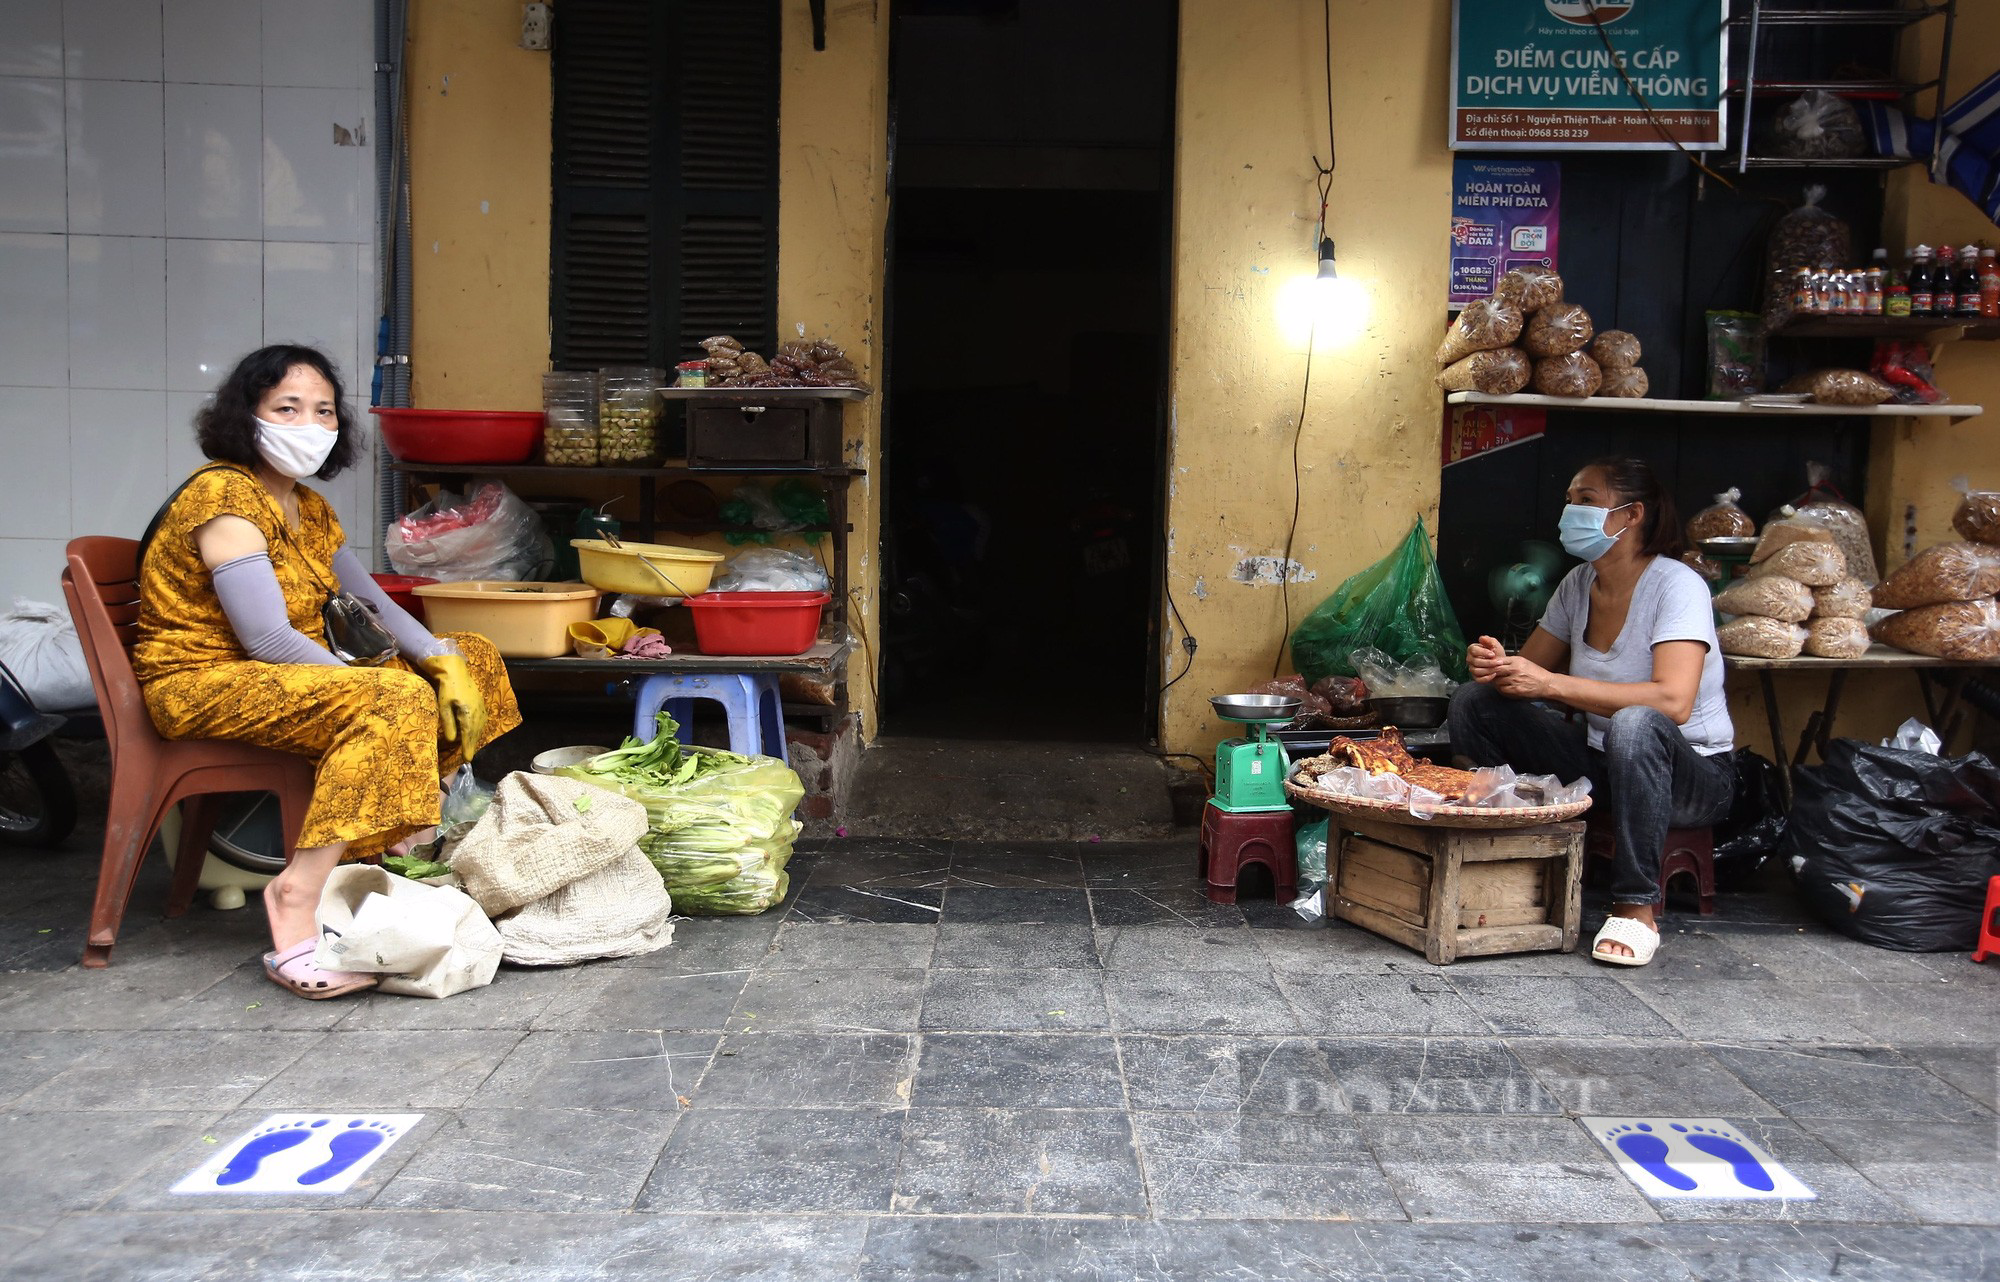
(1968, 281)
(1921, 296)
(1944, 283)
(1989, 284)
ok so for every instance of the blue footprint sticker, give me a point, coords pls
(361, 1137)
(1749, 1172)
(1638, 1142)
(272, 1139)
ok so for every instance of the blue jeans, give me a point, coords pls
(1648, 774)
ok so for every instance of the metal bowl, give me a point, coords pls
(1412, 712)
(1730, 545)
(1255, 707)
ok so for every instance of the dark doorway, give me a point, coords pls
(1025, 366)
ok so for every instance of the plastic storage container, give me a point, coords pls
(522, 620)
(647, 569)
(757, 623)
(569, 404)
(401, 589)
(628, 414)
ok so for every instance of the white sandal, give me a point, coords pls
(1631, 932)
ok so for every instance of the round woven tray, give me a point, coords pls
(1443, 816)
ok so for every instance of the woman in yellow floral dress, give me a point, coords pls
(230, 643)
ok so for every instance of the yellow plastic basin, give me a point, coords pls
(522, 620)
(648, 569)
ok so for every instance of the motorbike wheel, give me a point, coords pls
(37, 803)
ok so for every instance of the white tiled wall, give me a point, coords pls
(180, 181)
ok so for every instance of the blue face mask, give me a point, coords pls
(1581, 529)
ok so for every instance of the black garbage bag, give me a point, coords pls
(1746, 840)
(1895, 847)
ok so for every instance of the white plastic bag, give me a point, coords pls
(425, 941)
(772, 570)
(1914, 736)
(487, 534)
(39, 645)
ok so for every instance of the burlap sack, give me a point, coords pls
(542, 833)
(620, 910)
(425, 941)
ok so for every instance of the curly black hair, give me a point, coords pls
(226, 427)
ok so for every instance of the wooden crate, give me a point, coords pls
(1460, 892)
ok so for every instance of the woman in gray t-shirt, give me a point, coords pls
(1629, 641)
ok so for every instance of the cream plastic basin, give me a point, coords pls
(522, 620)
(645, 569)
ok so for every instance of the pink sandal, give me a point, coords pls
(294, 969)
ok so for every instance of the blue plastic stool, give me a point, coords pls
(756, 720)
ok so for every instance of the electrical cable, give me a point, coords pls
(1323, 179)
(1652, 116)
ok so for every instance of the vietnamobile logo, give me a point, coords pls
(1587, 13)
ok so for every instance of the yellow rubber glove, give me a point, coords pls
(461, 710)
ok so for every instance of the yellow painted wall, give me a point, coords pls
(479, 112)
(832, 217)
(1252, 111)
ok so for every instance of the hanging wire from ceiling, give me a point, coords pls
(1652, 116)
(1323, 179)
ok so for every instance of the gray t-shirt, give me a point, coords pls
(1669, 603)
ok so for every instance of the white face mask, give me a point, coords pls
(298, 450)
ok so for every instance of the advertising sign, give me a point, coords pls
(1473, 430)
(1541, 75)
(1504, 214)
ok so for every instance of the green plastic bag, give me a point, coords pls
(1397, 605)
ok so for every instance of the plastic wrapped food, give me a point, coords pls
(1709, 569)
(1735, 356)
(1756, 637)
(1501, 372)
(1723, 519)
(720, 344)
(1772, 597)
(1948, 572)
(1819, 126)
(1571, 375)
(1905, 365)
(1530, 289)
(1963, 630)
(1841, 387)
(1806, 237)
(1824, 505)
(1836, 638)
(1615, 349)
(1978, 516)
(1557, 330)
(1817, 565)
(1847, 599)
(1481, 327)
(1627, 382)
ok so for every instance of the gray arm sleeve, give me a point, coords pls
(255, 604)
(412, 638)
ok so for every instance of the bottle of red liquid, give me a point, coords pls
(1968, 282)
(1989, 284)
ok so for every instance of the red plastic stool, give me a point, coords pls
(1688, 850)
(1989, 939)
(1229, 841)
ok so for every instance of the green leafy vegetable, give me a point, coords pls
(414, 868)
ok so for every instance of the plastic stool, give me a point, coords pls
(1688, 850)
(756, 719)
(1229, 841)
(1989, 939)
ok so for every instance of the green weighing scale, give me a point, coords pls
(1250, 772)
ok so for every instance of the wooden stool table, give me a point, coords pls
(1460, 892)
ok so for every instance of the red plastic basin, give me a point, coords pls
(399, 586)
(757, 623)
(460, 436)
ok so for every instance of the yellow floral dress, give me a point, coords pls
(373, 731)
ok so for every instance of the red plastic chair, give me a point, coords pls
(1989, 938)
(1688, 850)
(148, 773)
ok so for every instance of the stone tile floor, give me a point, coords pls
(948, 1060)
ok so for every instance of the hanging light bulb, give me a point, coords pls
(1326, 268)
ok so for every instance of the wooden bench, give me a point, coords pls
(1460, 892)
